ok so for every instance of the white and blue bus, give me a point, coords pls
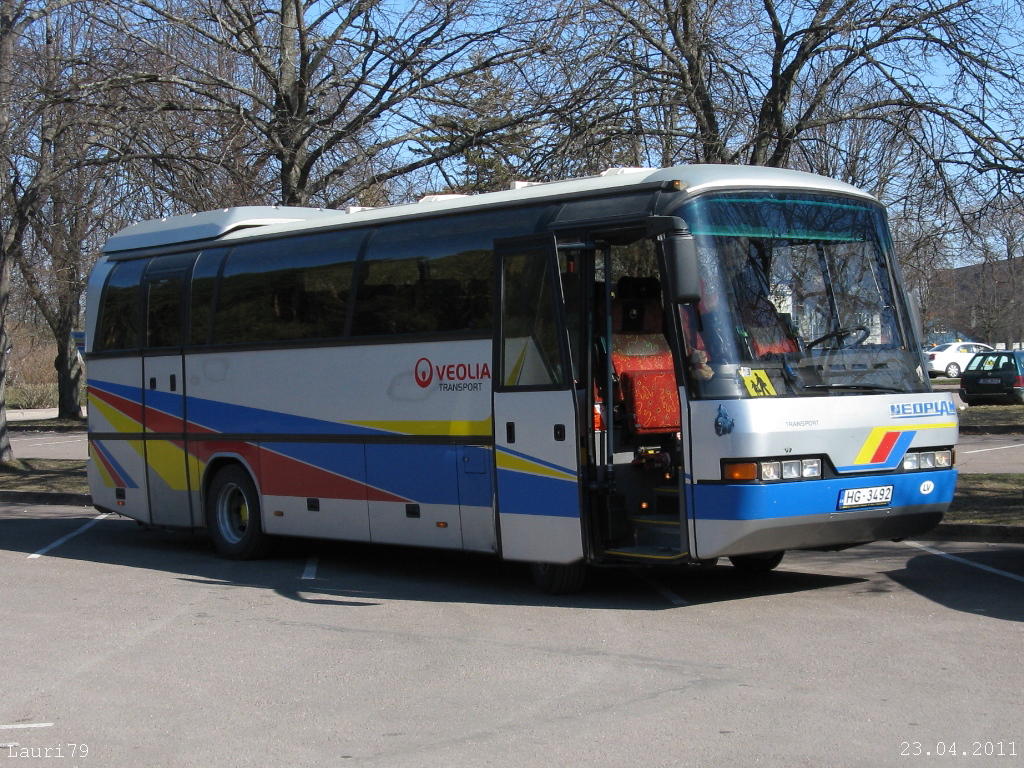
(648, 366)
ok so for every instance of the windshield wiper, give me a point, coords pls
(857, 387)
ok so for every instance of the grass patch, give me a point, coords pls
(992, 416)
(50, 475)
(991, 499)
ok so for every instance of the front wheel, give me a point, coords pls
(556, 579)
(953, 371)
(759, 563)
(233, 515)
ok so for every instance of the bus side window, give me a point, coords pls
(164, 280)
(434, 277)
(120, 310)
(287, 289)
(163, 312)
(204, 277)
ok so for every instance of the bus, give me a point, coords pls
(651, 367)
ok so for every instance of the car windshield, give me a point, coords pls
(994, 361)
(797, 299)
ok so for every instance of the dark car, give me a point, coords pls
(994, 377)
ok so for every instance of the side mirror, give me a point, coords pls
(684, 276)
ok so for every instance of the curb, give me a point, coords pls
(14, 426)
(46, 497)
(995, 534)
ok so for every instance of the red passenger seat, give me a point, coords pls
(642, 359)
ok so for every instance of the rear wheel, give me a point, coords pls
(233, 515)
(953, 371)
(557, 579)
(759, 563)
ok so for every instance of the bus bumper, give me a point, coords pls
(743, 519)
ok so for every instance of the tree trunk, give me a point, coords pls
(6, 453)
(69, 376)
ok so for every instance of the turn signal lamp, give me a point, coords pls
(771, 471)
(746, 470)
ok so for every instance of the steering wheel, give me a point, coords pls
(842, 333)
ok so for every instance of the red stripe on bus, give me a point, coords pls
(885, 447)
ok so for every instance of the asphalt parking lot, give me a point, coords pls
(142, 648)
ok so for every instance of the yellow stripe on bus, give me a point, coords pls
(480, 428)
(519, 464)
(168, 461)
(119, 421)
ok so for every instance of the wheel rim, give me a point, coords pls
(232, 513)
(953, 370)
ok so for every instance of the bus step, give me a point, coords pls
(655, 519)
(652, 554)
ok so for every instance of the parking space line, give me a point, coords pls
(965, 561)
(20, 444)
(998, 448)
(14, 726)
(310, 572)
(62, 539)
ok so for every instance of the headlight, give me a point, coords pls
(927, 460)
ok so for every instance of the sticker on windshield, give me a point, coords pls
(759, 385)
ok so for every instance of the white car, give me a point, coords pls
(950, 359)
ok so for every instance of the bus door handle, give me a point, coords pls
(559, 432)
(152, 382)
(174, 383)
(510, 432)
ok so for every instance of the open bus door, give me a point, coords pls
(535, 409)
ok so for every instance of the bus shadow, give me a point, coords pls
(962, 588)
(356, 575)
(723, 583)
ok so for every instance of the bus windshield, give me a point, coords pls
(797, 299)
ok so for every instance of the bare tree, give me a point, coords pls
(748, 82)
(338, 97)
(23, 182)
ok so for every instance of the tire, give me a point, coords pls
(233, 518)
(953, 371)
(556, 579)
(969, 401)
(759, 563)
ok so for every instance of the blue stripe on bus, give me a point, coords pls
(129, 483)
(523, 494)
(228, 418)
(815, 497)
(427, 473)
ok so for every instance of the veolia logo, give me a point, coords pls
(424, 372)
(451, 377)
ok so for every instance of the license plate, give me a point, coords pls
(876, 496)
(990, 381)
